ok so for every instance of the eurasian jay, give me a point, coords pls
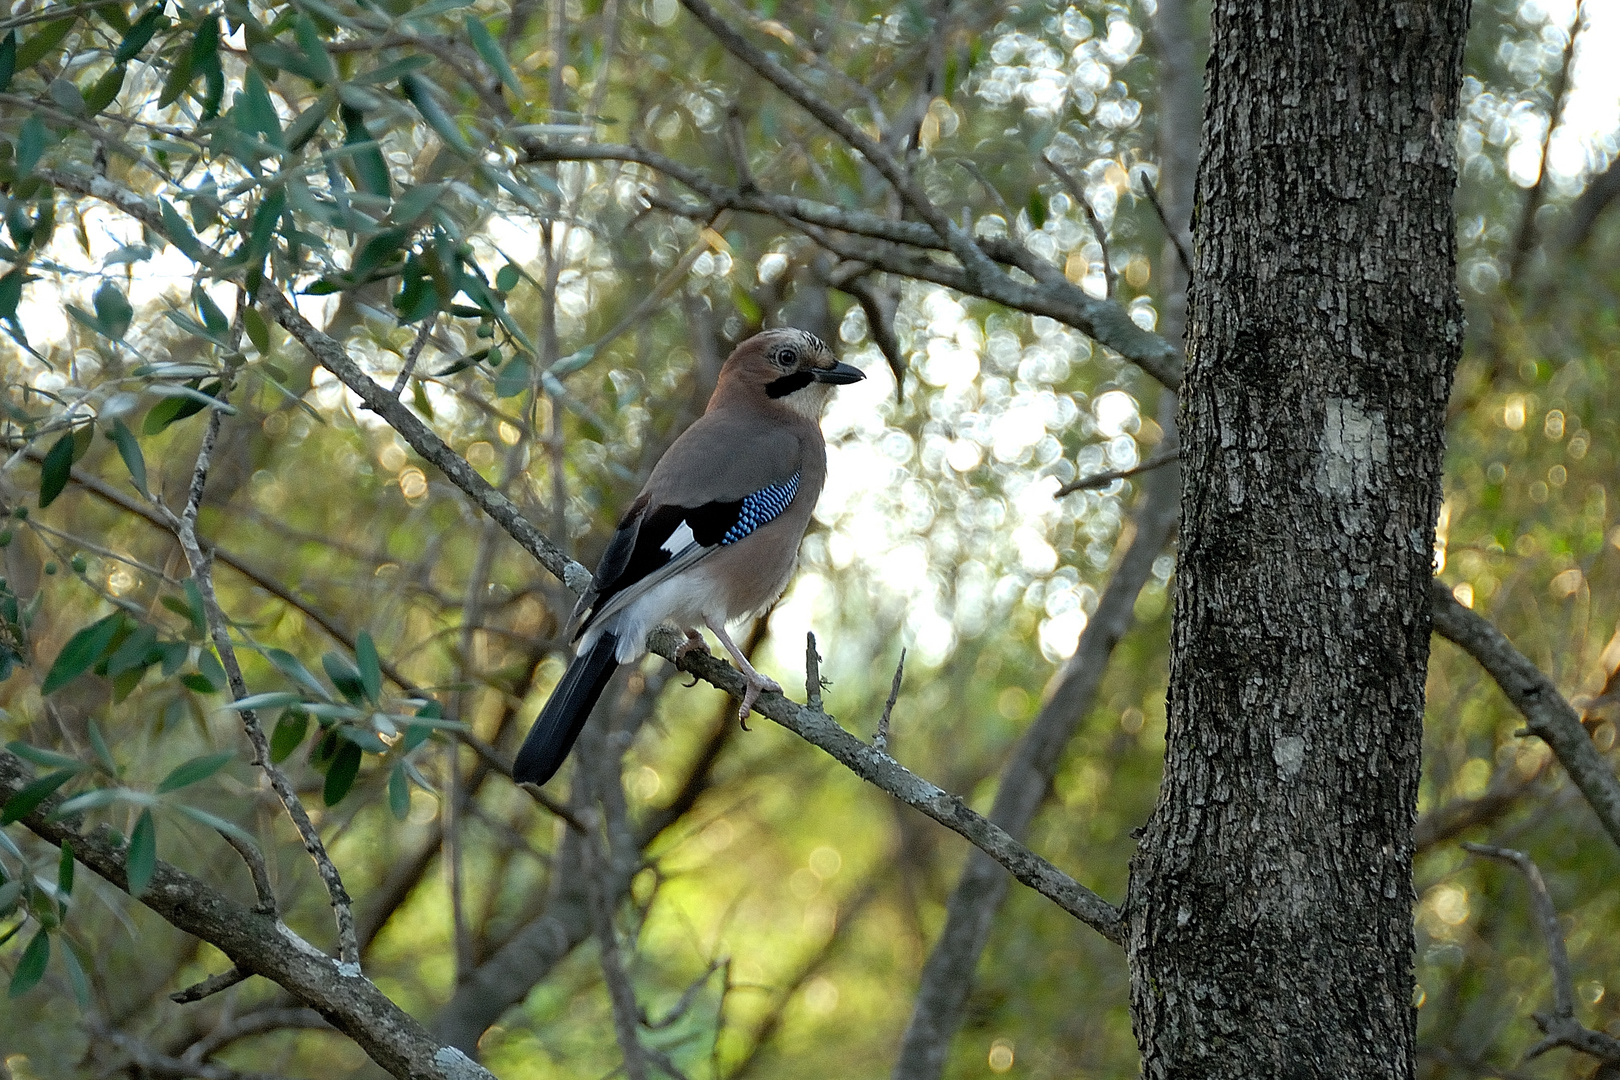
(712, 537)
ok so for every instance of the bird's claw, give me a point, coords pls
(694, 643)
(756, 685)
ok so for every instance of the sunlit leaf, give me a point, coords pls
(275, 699)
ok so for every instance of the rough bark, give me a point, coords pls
(1270, 923)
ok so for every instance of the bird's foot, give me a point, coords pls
(757, 684)
(694, 643)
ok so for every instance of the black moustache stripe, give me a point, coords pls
(787, 384)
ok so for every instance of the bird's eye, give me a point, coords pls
(786, 357)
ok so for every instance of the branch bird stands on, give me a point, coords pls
(712, 537)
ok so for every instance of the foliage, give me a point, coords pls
(420, 178)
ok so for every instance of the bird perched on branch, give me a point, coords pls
(712, 537)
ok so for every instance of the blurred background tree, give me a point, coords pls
(541, 227)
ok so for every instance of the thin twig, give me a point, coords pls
(260, 873)
(210, 986)
(1077, 192)
(1169, 230)
(880, 741)
(1525, 238)
(185, 528)
(415, 354)
(1103, 479)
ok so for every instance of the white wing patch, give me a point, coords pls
(679, 540)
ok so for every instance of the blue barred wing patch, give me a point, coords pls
(761, 508)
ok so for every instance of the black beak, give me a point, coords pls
(838, 374)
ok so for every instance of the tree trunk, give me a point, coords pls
(1271, 899)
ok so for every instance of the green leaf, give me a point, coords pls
(10, 893)
(98, 743)
(26, 800)
(142, 859)
(178, 80)
(314, 49)
(104, 91)
(197, 769)
(212, 316)
(64, 870)
(130, 451)
(41, 44)
(180, 235)
(345, 676)
(341, 773)
(48, 758)
(507, 277)
(57, 467)
(31, 143)
(370, 170)
(200, 683)
(258, 331)
(31, 967)
(420, 92)
(11, 292)
(399, 793)
(365, 654)
(490, 50)
(195, 610)
(76, 976)
(139, 34)
(1037, 208)
(289, 734)
(308, 122)
(513, 379)
(215, 822)
(81, 651)
(94, 799)
(290, 666)
(113, 310)
(275, 699)
(139, 650)
(8, 58)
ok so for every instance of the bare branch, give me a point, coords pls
(1103, 479)
(1561, 1027)
(1547, 714)
(153, 1063)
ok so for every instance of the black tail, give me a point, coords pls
(560, 722)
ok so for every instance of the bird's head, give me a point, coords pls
(793, 367)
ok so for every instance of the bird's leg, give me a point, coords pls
(757, 683)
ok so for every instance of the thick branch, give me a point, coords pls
(1546, 713)
(261, 945)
